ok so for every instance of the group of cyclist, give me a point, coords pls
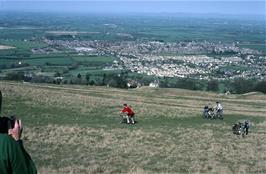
(240, 128)
(127, 113)
(211, 112)
(216, 111)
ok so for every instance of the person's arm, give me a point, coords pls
(10, 156)
(21, 154)
(16, 158)
(124, 110)
(29, 163)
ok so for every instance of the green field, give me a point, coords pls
(58, 63)
(77, 129)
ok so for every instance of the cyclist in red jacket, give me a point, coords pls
(130, 114)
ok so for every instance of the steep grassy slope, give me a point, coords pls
(76, 129)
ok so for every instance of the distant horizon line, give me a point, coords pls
(220, 15)
(235, 7)
(132, 1)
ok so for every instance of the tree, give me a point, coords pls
(79, 80)
(187, 83)
(15, 76)
(57, 74)
(119, 80)
(104, 79)
(65, 82)
(122, 80)
(88, 77)
(79, 76)
(146, 80)
(164, 82)
(261, 87)
(92, 83)
(243, 85)
(213, 85)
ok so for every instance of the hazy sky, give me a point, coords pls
(236, 7)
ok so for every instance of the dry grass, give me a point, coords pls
(185, 150)
(77, 130)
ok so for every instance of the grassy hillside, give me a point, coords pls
(76, 129)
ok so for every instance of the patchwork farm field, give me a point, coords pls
(59, 62)
(77, 129)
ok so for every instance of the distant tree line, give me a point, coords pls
(237, 86)
(120, 80)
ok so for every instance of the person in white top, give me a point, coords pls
(218, 107)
